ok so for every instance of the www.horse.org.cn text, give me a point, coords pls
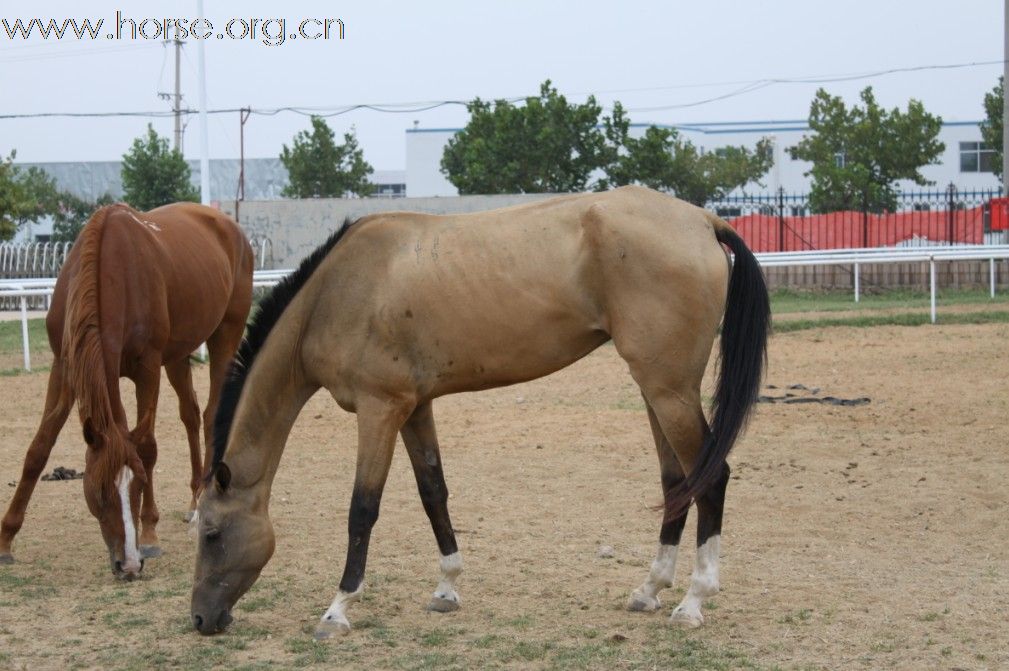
(272, 32)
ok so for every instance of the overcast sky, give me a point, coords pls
(645, 54)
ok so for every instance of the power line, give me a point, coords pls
(821, 79)
(392, 108)
(424, 106)
(73, 53)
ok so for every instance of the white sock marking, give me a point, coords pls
(660, 576)
(131, 555)
(703, 582)
(451, 567)
(337, 611)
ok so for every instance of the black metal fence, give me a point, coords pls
(781, 222)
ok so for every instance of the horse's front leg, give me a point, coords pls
(422, 445)
(59, 400)
(148, 385)
(180, 375)
(378, 421)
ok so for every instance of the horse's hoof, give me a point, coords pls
(683, 618)
(639, 603)
(150, 551)
(442, 604)
(331, 629)
(6, 558)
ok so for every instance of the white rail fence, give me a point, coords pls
(22, 289)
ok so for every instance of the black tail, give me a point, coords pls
(743, 357)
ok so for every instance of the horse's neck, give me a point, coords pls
(273, 395)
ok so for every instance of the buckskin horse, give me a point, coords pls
(139, 290)
(398, 309)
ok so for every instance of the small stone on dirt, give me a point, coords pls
(605, 552)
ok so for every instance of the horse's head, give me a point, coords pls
(235, 540)
(113, 479)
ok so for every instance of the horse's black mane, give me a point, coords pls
(259, 327)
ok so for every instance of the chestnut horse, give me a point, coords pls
(139, 290)
(398, 309)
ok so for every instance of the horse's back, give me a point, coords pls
(167, 276)
(478, 300)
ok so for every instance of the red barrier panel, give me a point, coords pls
(999, 214)
(840, 230)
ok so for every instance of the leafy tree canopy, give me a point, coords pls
(13, 200)
(548, 145)
(154, 175)
(317, 167)
(991, 127)
(661, 160)
(72, 213)
(859, 153)
(26, 195)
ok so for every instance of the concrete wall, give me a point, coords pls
(296, 227)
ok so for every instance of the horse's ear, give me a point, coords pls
(222, 477)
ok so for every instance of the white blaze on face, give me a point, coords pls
(131, 555)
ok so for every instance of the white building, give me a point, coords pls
(966, 161)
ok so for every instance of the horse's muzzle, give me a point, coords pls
(211, 625)
(126, 573)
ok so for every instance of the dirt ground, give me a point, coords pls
(870, 537)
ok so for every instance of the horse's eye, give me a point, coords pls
(212, 534)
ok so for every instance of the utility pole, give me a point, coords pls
(204, 134)
(243, 116)
(176, 97)
(1005, 99)
(177, 101)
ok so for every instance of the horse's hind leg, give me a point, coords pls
(422, 445)
(180, 375)
(704, 581)
(683, 430)
(682, 423)
(59, 400)
(663, 569)
(378, 421)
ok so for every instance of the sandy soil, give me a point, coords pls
(869, 537)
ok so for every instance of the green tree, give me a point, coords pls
(661, 160)
(991, 127)
(859, 153)
(317, 167)
(25, 195)
(154, 175)
(72, 213)
(41, 194)
(544, 146)
(13, 200)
